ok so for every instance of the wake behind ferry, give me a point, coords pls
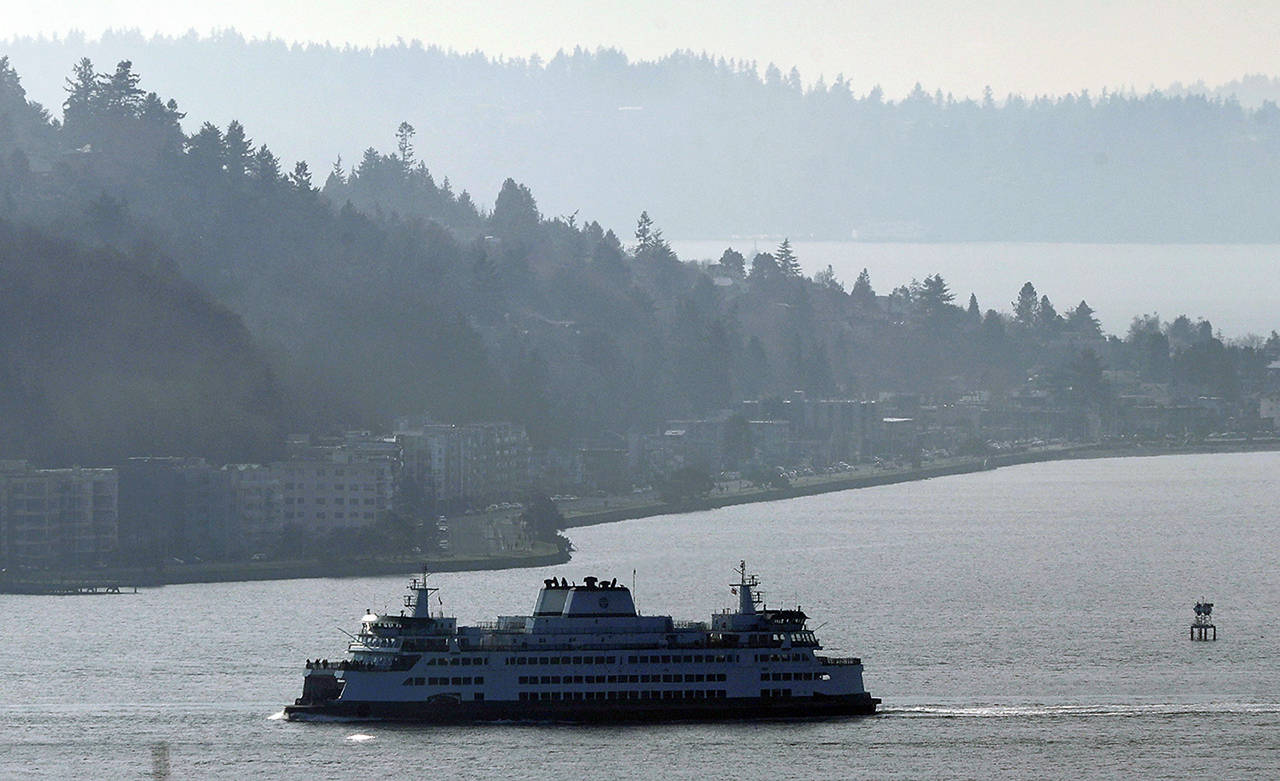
(585, 655)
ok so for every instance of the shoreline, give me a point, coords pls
(833, 483)
(125, 579)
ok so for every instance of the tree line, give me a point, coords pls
(737, 147)
(385, 291)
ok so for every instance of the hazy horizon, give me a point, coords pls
(1014, 49)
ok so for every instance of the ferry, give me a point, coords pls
(584, 655)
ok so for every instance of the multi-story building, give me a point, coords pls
(54, 517)
(464, 466)
(822, 430)
(333, 492)
(178, 508)
(259, 502)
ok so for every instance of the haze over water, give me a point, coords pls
(1026, 622)
(1234, 286)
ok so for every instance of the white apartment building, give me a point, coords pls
(57, 516)
(334, 492)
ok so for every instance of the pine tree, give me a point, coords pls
(1081, 320)
(404, 143)
(933, 296)
(301, 177)
(1047, 318)
(265, 166)
(1026, 306)
(239, 149)
(862, 294)
(337, 176)
(82, 95)
(786, 259)
(644, 231)
(121, 95)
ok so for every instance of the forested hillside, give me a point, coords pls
(172, 292)
(715, 147)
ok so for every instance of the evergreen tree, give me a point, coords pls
(337, 177)
(207, 153)
(1047, 318)
(786, 259)
(238, 150)
(862, 294)
(121, 97)
(826, 279)
(644, 231)
(1081, 320)
(732, 261)
(973, 312)
(764, 268)
(301, 177)
(1026, 306)
(82, 95)
(265, 167)
(404, 144)
(515, 213)
(932, 296)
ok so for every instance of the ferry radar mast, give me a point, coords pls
(747, 589)
(419, 597)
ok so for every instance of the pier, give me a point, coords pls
(65, 587)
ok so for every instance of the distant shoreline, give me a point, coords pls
(831, 484)
(63, 582)
(67, 582)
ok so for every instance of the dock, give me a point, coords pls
(65, 588)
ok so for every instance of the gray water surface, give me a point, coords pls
(1030, 621)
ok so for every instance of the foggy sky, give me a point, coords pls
(1012, 45)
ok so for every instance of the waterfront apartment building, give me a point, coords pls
(51, 517)
(190, 509)
(465, 466)
(334, 490)
(259, 507)
(822, 430)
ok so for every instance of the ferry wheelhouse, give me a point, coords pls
(584, 655)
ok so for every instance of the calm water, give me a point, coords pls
(1233, 285)
(1030, 621)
